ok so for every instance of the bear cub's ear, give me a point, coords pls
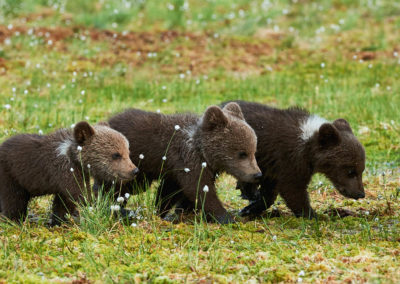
(82, 132)
(328, 135)
(342, 124)
(213, 118)
(234, 110)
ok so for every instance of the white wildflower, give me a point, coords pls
(204, 164)
(115, 207)
(40, 132)
(274, 238)
(366, 213)
(134, 225)
(71, 170)
(323, 65)
(363, 130)
(141, 156)
(79, 148)
(205, 188)
(164, 158)
(177, 127)
(301, 273)
(88, 166)
(186, 170)
(299, 280)
(7, 106)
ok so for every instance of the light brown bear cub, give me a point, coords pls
(60, 163)
(220, 140)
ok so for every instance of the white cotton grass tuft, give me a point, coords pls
(177, 127)
(204, 164)
(205, 188)
(71, 170)
(79, 148)
(164, 158)
(88, 166)
(134, 225)
(115, 207)
(274, 238)
(141, 156)
(127, 195)
(120, 199)
(186, 170)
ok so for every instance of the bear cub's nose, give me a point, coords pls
(135, 171)
(257, 176)
(359, 195)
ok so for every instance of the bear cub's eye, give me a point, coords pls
(242, 155)
(116, 156)
(352, 173)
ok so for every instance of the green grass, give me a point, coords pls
(90, 59)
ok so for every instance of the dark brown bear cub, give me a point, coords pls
(60, 163)
(292, 146)
(218, 141)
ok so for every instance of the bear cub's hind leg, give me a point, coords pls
(13, 201)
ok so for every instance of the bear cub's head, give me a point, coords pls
(106, 151)
(229, 143)
(341, 157)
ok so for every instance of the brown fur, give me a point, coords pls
(33, 165)
(288, 162)
(221, 138)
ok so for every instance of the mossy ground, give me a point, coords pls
(64, 61)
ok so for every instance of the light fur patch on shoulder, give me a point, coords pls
(311, 125)
(62, 149)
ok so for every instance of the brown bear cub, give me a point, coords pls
(60, 163)
(292, 146)
(218, 141)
